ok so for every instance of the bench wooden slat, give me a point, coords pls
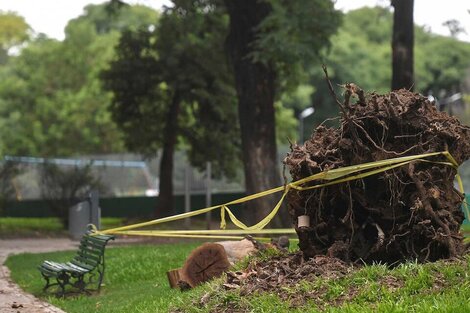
(92, 250)
(65, 266)
(89, 256)
(86, 260)
(96, 240)
(93, 253)
(77, 267)
(77, 262)
(46, 271)
(92, 244)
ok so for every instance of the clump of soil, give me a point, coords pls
(283, 271)
(410, 212)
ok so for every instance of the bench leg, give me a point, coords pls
(62, 280)
(80, 283)
(47, 282)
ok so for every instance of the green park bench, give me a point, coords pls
(89, 260)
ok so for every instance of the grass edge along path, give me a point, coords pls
(49, 227)
(135, 281)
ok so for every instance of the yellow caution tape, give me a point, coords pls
(333, 176)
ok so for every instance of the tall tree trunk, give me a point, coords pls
(402, 44)
(165, 205)
(255, 84)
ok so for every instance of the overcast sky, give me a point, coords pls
(51, 16)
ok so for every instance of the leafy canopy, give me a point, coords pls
(51, 101)
(182, 60)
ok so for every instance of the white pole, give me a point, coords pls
(304, 114)
(208, 193)
(187, 194)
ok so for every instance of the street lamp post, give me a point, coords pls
(304, 114)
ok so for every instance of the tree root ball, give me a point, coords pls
(412, 212)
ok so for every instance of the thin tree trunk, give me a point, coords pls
(165, 205)
(402, 44)
(255, 84)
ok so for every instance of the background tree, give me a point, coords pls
(62, 188)
(13, 32)
(259, 33)
(8, 171)
(455, 27)
(402, 45)
(174, 84)
(51, 101)
(360, 52)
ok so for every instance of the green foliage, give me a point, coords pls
(441, 64)
(139, 99)
(182, 61)
(64, 187)
(116, 16)
(13, 32)
(286, 124)
(361, 53)
(8, 172)
(292, 36)
(51, 101)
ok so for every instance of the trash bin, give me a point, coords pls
(79, 218)
(84, 213)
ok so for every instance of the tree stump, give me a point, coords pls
(204, 263)
(174, 277)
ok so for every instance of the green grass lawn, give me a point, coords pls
(411, 287)
(136, 281)
(466, 228)
(24, 227)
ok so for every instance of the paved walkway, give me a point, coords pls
(12, 298)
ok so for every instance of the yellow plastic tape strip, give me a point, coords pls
(337, 175)
(161, 220)
(464, 202)
(261, 224)
(228, 231)
(197, 236)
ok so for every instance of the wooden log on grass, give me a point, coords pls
(212, 259)
(174, 277)
(204, 263)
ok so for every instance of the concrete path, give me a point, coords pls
(12, 298)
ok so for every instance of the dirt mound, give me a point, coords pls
(410, 212)
(281, 273)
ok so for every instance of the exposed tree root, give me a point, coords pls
(410, 212)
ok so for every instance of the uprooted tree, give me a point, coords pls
(410, 212)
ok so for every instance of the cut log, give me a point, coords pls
(204, 263)
(174, 277)
(212, 259)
